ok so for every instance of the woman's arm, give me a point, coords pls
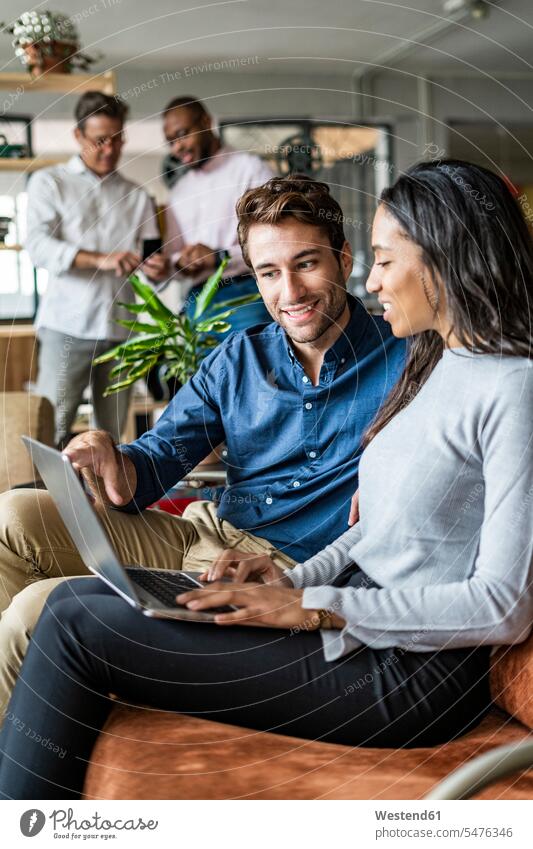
(324, 567)
(494, 605)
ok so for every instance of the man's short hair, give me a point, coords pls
(186, 102)
(299, 197)
(96, 103)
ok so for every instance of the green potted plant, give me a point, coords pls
(177, 342)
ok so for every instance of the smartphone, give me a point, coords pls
(151, 246)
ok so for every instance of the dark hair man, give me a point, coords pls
(291, 399)
(86, 224)
(201, 223)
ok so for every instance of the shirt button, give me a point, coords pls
(309, 406)
(312, 454)
(343, 359)
(268, 500)
(305, 379)
(296, 483)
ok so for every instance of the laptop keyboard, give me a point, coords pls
(165, 586)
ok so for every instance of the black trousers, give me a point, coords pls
(90, 643)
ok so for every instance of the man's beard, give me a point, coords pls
(331, 306)
(205, 154)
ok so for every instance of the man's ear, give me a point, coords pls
(346, 260)
(78, 135)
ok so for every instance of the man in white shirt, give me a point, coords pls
(201, 223)
(86, 226)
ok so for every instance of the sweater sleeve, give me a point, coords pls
(324, 567)
(494, 605)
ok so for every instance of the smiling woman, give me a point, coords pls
(412, 301)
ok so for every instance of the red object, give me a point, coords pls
(175, 506)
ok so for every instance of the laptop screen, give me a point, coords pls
(81, 520)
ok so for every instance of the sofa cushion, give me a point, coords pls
(147, 754)
(511, 680)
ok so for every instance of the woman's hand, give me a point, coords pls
(354, 509)
(269, 606)
(243, 566)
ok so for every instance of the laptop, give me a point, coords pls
(151, 591)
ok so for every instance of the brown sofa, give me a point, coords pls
(146, 754)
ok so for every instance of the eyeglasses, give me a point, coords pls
(183, 133)
(115, 140)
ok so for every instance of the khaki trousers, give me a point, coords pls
(36, 552)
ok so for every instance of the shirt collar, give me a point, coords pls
(76, 165)
(348, 342)
(217, 159)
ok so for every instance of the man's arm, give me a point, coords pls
(44, 218)
(188, 430)
(121, 262)
(133, 476)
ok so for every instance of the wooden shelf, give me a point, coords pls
(11, 247)
(64, 83)
(29, 165)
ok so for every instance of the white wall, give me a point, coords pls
(395, 98)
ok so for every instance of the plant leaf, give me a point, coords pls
(126, 350)
(209, 289)
(214, 327)
(143, 342)
(242, 300)
(116, 387)
(108, 355)
(122, 366)
(137, 326)
(152, 303)
(142, 368)
(136, 308)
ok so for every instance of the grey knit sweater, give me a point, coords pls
(446, 518)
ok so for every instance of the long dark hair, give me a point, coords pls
(474, 238)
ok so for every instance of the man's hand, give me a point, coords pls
(156, 267)
(111, 476)
(243, 566)
(196, 258)
(121, 262)
(269, 606)
(354, 509)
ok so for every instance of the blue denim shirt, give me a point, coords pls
(293, 448)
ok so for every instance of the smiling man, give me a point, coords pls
(291, 399)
